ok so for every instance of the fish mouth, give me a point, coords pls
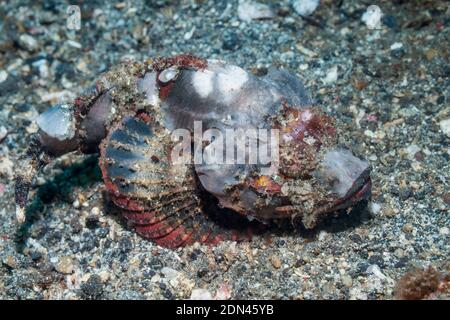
(362, 193)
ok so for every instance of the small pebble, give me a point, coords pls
(445, 126)
(92, 222)
(305, 7)
(3, 133)
(444, 231)
(347, 280)
(446, 198)
(250, 10)
(65, 265)
(374, 208)
(331, 76)
(28, 42)
(276, 262)
(375, 270)
(396, 46)
(93, 287)
(201, 294)
(372, 17)
(3, 75)
(408, 228)
(6, 167)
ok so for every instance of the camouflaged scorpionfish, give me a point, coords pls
(129, 117)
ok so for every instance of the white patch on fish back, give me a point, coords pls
(202, 81)
(230, 82)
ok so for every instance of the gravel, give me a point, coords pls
(388, 86)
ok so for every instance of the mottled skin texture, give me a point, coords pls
(177, 205)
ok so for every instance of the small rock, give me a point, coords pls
(389, 212)
(322, 235)
(10, 84)
(347, 280)
(375, 270)
(332, 75)
(445, 126)
(35, 255)
(92, 222)
(10, 261)
(405, 193)
(250, 10)
(374, 208)
(120, 5)
(399, 253)
(93, 287)
(188, 35)
(28, 42)
(446, 198)
(444, 231)
(305, 51)
(65, 265)
(372, 17)
(74, 44)
(231, 42)
(6, 167)
(276, 262)
(76, 204)
(201, 294)
(169, 273)
(104, 275)
(431, 54)
(411, 150)
(305, 7)
(3, 75)
(3, 133)
(408, 228)
(23, 107)
(396, 46)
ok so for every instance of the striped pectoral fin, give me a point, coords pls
(172, 228)
(163, 201)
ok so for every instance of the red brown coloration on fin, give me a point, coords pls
(151, 194)
(182, 61)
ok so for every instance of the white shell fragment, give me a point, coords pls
(372, 17)
(251, 10)
(331, 76)
(305, 7)
(168, 74)
(58, 122)
(445, 126)
(201, 294)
